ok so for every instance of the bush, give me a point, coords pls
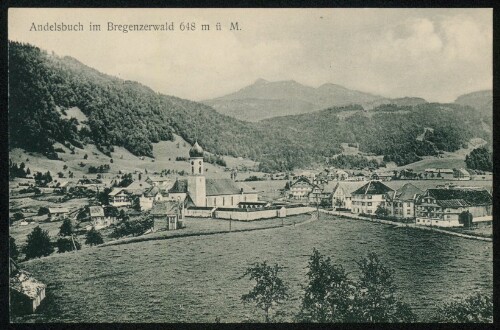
(93, 237)
(38, 244)
(65, 244)
(43, 210)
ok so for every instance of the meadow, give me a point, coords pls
(198, 278)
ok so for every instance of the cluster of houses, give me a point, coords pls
(332, 174)
(442, 206)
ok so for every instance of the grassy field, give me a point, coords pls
(198, 278)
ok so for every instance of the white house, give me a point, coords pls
(367, 198)
(401, 202)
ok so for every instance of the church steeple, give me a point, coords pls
(196, 159)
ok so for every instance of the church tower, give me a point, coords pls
(196, 180)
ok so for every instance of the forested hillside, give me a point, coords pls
(128, 114)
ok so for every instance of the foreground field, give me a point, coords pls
(196, 279)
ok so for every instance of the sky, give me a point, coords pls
(437, 54)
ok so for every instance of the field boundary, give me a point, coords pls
(407, 225)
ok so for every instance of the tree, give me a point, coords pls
(480, 159)
(43, 210)
(38, 244)
(65, 244)
(476, 308)
(381, 211)
(18, 216)
(375, 300)
(269, 290)
(327, 296)
(13, 250)
(66, 228)
(93, 237)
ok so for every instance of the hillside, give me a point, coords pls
(264, 99)
(480, 100)
(60, 100)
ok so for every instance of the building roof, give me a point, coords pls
(303, 179)
(96, 211)
(152, 192)
(56, 210)
(372, 188)
(196, 151)
(406, 193)
(460, 197)
(23, 282)
(165, 208)
(116, 191)
(463, 171)
(347, 186)
(216, 187)
(154, 178)
(180, 186)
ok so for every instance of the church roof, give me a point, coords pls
(217, 187)
(196, 150)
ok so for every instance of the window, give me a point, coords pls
(408, 204)
(369, 196)
(369, 211)
(362, 204)
(408, 212)
(369, 204)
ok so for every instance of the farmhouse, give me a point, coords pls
(447, 207)
(367, 198)
(167, 215)
(26, 292)
(57, 213)
(120, 197)
(401, 202)
(439, 173)
(301, 188)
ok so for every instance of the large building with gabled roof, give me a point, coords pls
(446, 207)
(401, 202)
(369, 197)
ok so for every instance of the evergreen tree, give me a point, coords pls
(93, 237)
(66, 228)
(13, 250)
(38, 244)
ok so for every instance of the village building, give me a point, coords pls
(461, 174)
(401, 202)
(119, 197)
(446, 207)
(167, 215)
(301, 188)
(341, 194)
(369, 197)
(26, 292)
(149, 196)
(439, 173)
(382, 176)
(160, 181)
(57, 213)
(99, 218)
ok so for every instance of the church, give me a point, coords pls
(198, 191)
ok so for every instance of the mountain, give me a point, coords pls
(45, 91)
(264, 99)
(480, 100)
